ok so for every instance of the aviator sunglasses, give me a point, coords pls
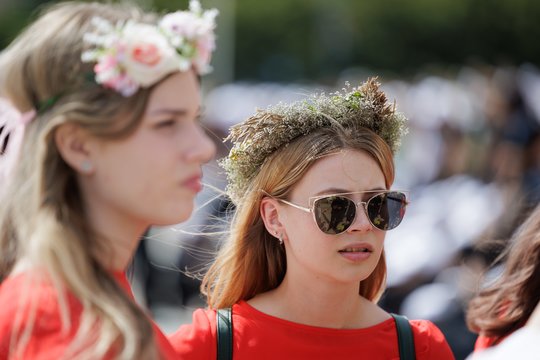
(335, 213)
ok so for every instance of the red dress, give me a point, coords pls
(261, 336)
(48, 340)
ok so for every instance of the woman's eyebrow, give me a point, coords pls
(166, 111)
(345, 191)
(332, 191)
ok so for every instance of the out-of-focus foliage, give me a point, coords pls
(314, 39)
(308, 38)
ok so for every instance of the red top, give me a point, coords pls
(261, 336)
(483, 342)
(47, 339)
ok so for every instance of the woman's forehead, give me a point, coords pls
(179, 91)
(350, 170)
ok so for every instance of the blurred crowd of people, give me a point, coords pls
(470, 161)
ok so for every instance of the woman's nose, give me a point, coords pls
(202, 148)
(361, 221)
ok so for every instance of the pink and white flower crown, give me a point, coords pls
(131, 55)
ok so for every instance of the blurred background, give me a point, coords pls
(466, 74)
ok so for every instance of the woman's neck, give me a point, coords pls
(320, 304)
(121, 236)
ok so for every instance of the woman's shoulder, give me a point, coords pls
(196, 340)
(31, 303)
(23, 292)
(429, 341)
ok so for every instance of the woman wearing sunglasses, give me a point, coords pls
(304, 263)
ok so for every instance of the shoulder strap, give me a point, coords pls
(224, 334)
(405, 338)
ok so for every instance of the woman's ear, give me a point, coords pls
(73, 144)
(270, 215)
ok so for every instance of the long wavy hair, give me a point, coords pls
(42, 218)
(251, 261)
(507, 303)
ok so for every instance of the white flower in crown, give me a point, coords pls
(132, 55)
(192, 34)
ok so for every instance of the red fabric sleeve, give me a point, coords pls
(47, 339)
(196, 340)
(429, 341)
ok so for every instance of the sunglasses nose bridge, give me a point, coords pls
(365, 221)
(364, 206)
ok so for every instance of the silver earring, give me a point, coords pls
(280, 238)
(86, 166)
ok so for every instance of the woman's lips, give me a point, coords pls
(355, 256)
(193, 183)
(356, 252)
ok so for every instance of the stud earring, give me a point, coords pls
(86, 166)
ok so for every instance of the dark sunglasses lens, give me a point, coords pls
(386, 210)
(334, 214)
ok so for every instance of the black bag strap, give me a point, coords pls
(405, 338)
(224, 334)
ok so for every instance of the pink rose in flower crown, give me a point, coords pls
(148, 56)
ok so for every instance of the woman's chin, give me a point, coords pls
(177, 217)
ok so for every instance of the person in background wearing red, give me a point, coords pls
(522, 344)
(506, 304)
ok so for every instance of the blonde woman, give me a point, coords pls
(304, 265)
(102, 141)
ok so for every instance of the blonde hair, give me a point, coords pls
(251, 261)
(42, 219)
